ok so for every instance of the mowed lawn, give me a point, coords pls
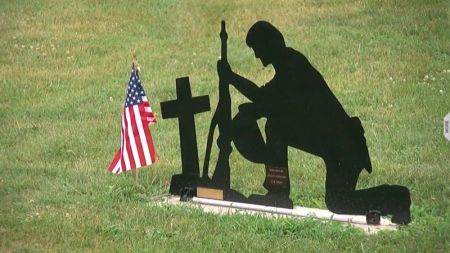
(64, 66)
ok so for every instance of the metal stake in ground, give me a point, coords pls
(184, 109)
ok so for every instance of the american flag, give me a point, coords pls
(136, 147)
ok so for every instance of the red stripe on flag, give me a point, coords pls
(115, 161)
(148, 135)
(128, 145)
(151, 147)
(122, 144)
(137, 137)
(149, 115)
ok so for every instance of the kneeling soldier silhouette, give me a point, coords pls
(303, 113)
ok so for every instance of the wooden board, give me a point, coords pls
(209, 193)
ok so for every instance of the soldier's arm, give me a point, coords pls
(246, 87)
(242, 84)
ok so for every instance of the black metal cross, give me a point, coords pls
(184, 108)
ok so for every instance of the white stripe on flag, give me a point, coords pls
(125, 157)
(144, 143)
(144, 99)
(116, 167)
(151, 119)
(134, 149)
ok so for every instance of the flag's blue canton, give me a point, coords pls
(135, 92)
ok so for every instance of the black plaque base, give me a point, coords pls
(373, 217)
(271, 199)
(235, 196)
(180, 182)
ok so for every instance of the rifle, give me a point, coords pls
(222, 119)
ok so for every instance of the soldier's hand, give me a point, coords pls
(251, 110)
(224, 71)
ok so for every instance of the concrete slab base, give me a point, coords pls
(229, 208)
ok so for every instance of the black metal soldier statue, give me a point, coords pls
(302, 112)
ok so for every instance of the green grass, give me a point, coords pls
(64, 67)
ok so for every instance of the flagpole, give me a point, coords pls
(134, 63)
(136, 177)
(136, 116)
